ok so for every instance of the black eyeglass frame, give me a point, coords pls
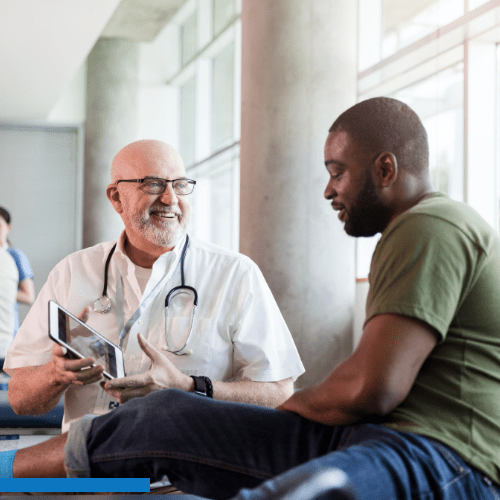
(189, 181)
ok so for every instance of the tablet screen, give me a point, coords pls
(84, 341)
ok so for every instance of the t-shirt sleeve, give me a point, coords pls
(264, 350)
(22, 263)
(420, 269)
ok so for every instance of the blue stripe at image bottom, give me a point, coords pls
(75, 485)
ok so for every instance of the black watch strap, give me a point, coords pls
(203, 386)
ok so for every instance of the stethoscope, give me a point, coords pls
(102, 305)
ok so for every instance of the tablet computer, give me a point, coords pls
(83, 342)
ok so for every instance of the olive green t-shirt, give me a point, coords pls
(439, 262)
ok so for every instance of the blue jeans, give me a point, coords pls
(214, 449)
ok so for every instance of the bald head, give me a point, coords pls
(134, 160)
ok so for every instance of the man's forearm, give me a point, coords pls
(24, 297)
(375, 379)
(33, 390)
(26, 293)
(343, 398)
(334, 411)
(270, 394)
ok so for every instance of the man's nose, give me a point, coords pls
(329, 191)
(168, 197)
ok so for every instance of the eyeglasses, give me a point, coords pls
(153, 185)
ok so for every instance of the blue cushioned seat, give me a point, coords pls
(52, 419)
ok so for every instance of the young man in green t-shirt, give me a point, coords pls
(413, 413)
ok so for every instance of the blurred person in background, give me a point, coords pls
(26, 288)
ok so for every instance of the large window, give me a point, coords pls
(440, 57)
(207, 78)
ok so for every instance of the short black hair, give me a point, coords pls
(384, 124)
(4, 213)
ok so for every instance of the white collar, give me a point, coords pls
(120, 247)
(161, 262)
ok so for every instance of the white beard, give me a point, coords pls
(166, 236)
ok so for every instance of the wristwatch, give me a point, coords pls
(203, 386)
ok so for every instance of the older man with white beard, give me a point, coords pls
(238, 349)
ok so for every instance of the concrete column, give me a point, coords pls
(298, 75)
(112, 91)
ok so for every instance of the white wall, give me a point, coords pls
(40, 186)
(70, 107)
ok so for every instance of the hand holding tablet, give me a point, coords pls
(82, 342)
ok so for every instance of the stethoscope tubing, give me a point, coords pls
(106, 268)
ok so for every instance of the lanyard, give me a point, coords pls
(124, 329)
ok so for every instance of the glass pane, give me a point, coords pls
(212, 208)
(188, 39)
(439, 102)
(188, 110)
(370, 27)
(476, 3)
(223, 97)
(406, 22)
(224, 10)
(221, 199)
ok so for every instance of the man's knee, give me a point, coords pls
(76, 460)
(142, 416)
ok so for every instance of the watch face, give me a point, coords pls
(200, 385)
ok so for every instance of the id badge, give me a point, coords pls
(105, 403)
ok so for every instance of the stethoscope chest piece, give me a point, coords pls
(102, 305)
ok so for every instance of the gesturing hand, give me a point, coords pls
(162, 374)
(74, 371)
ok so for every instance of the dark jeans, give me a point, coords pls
(213, 449)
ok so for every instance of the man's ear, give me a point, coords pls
(386, 169)
(114, 197)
